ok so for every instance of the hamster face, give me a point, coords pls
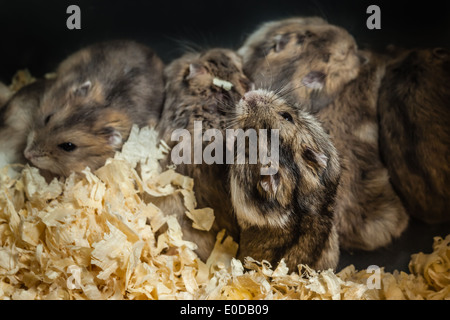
(314, 59)
(72, 130)
(308, 163)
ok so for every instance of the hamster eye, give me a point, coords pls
(287, 116)
(67, 146)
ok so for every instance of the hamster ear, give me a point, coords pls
(314, 80)
(83, 89)
(195, 69)
(316, 157)
(270, 183)
(115, 139)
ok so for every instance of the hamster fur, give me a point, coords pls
(87, 113)
(288, 214)
(343, 83)
(369, 212)
(310, 57)
(193, 95)
(16, 119)
(414, 114)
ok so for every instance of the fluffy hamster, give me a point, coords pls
(288, 214)
(369, 212)
(16, 119)
(414, 113)
(308, 56)
(203, 87)
(5, 94)
(87, 113)
(322, 64)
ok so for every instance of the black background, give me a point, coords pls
(33, 35)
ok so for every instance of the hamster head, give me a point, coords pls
(307, 169)
(73, 129)
(215, 73)
(311, 57)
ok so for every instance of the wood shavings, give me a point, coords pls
(93, 237)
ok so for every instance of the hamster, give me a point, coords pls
(5, 94)
(368, 210)
(414, 114)
(16, 119)
(202, 86)
(289, 214)
(308, 56)
(87, 113)
(369, 214)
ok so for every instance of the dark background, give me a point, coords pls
(34, 35)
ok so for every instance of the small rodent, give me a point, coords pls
(288, 214)
(305, 55)
(87, 113)
(5, 94)
(369, 214)
(414, 115)
(202, 86)
(16, 119)
(368, 210)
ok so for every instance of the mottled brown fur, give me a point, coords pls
(308, 56)
(414, 113)
(369, 213)
(192, 96)
(16, 119)
(288, 214)
(98, 94)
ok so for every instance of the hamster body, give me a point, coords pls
(308, 56)
(369, 213)
(288, 214)
(202, 87)
(414, 113)
(16, 119)
(5, 94)
(87, 113)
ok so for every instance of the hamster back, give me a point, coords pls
(414, 113)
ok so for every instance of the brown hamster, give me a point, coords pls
(307, 55)
(288, 214)
(5, 94)
(202, 86)
(87, 113)
(414, 113)
(368, 211)
(16, 119)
